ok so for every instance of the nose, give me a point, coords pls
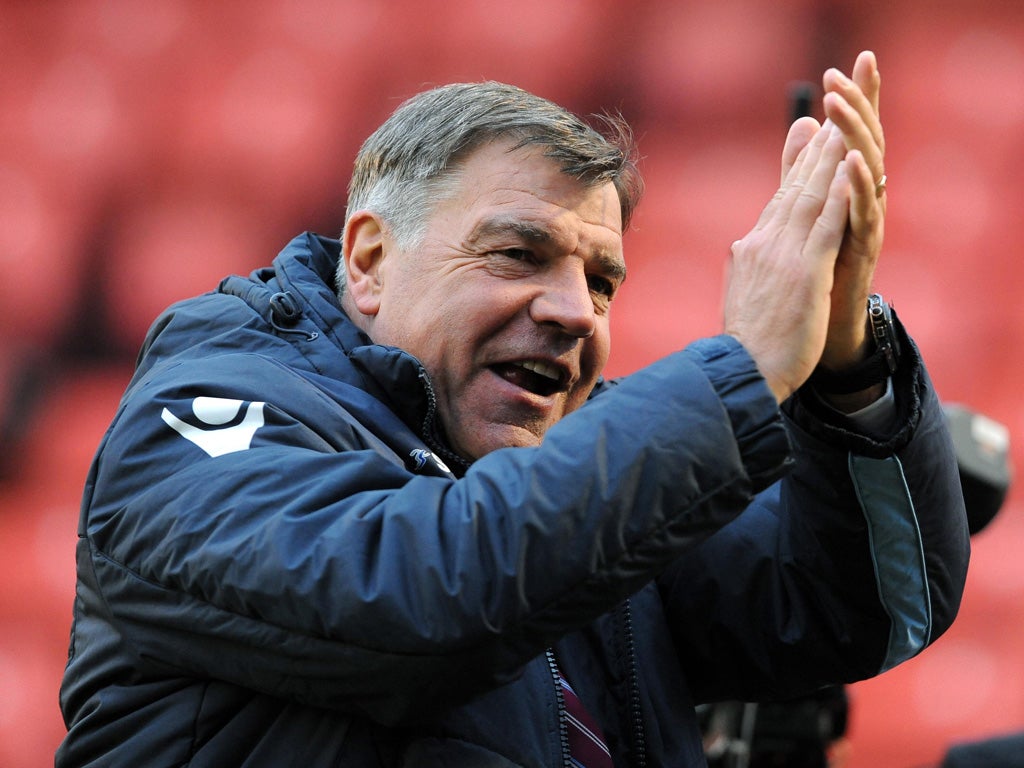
(563, 299)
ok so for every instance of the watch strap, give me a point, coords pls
(874, 369)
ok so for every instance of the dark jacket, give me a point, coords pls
(280, 563)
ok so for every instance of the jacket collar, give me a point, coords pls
(306, 269)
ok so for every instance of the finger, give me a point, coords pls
(862, 94)
(826, 234)
(800, 134)
(842, 90)
(867, 77)
(865, 136)
(781, 204)
(862, 88)
(866, 205)
(809, 202)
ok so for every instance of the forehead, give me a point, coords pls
(500, 189)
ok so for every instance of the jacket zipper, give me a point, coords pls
(636, 715)
(563, 728)
(635, 711)
(430, 433)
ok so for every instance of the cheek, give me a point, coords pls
(592, 362)
(482, 313)
(596, 351)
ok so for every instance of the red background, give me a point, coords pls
(147, 148)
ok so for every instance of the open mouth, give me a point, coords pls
(535, 376)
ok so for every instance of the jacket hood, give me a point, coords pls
(293, 303)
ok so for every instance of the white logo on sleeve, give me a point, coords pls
(222, 431)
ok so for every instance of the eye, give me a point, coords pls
(601, 286)
(517, 254)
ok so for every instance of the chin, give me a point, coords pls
(493, 437)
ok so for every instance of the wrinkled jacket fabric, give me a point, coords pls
(280, 564)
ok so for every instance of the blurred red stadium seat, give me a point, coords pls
(38, 524)
(697, 61)
(170, 247)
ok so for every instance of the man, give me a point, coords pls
(400, 520)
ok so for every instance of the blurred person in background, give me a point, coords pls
(1003, 751)
(374, 505)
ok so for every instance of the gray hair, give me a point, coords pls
(410, 161)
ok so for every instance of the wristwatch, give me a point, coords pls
(875, 369)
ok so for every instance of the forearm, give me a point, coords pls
(916, 452)
(853, 563)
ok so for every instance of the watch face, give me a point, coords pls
(878, 315)
(883, 330)
(877, 367)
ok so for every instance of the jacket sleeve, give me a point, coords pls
(295, 555)
(851, 564)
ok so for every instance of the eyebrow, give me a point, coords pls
(611, 264)
(501, 226)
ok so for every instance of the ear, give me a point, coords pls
(363, 249)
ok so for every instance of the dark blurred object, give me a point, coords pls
(790, 734)
(24, 379)
(1002, 752)
(802, 95)
(983, 456)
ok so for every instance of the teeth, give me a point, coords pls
(542, 368)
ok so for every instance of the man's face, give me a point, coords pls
(506, 299)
